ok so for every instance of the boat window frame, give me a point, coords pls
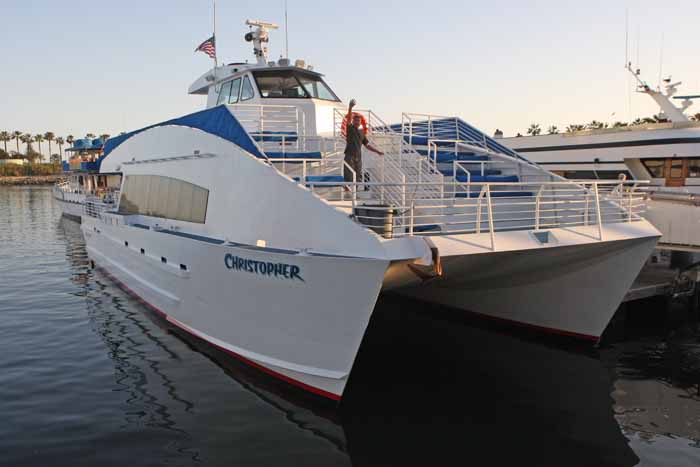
(294, 74)
(246, 79)
(662, 166)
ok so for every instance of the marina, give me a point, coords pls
(324, 266)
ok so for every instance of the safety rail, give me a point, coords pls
(401, 162)
(95, 207)
(503, 206)
(272, 123)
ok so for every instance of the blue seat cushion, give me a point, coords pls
(275, 136)
(327, 180)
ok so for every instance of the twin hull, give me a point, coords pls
(306, 328)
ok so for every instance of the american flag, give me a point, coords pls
(208, 47)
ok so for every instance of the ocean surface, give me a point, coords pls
(89, 376)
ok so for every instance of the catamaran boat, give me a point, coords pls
(236, 224)
(603, 153)
(83, 179)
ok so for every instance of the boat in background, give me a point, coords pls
(238, 224)
(83, 179)
(603, 153)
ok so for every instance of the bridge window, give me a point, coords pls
(292, 84)
(224, 93)
(235, 88)
(165, 197)
(247, 90)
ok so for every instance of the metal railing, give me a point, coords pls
(496, 207)
(95, 207)
(281, 126)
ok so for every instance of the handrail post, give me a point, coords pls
(478, 210)
(490, 208)
(537, 207)
(597, 208)
(629, 208)
(412, 218)
(585, 212)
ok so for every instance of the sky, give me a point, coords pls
(79, 66)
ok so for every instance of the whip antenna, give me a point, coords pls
(286, 31)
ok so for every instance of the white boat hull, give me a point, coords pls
(572, 290)
(71, 209)
(303, 327)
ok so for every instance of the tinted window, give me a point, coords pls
(655, 167)
(235, 88)
(169, 198)
(224, 93)
(247, 90)
(315, 86)
(291, 84)
(694, 168)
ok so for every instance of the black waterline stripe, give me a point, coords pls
(622, 144)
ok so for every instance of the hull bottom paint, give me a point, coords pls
(572, 291)
(303, 328)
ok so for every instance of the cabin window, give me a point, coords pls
(292, 84)
(655, 167)
(165, 197)
(235, 89)
(224, 93)
(247, 90)
(694, 168)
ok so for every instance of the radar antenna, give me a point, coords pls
(259, 37)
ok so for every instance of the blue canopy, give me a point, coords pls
(216, 121)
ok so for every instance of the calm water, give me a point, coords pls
(88, 376)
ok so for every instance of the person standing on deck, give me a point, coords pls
(354, 140)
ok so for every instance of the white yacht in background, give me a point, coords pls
(235, 223)
(602, 153)
(83, 179)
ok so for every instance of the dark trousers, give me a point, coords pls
(354, 161)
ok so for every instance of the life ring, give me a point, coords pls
(363, 124)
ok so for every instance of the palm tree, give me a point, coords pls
(596, 125)
(619, 125)
(553, 130)
(575, 127)
(27, 139)
(17, 135)
(49, 136)
(696, 117)
(105, 137)
(90, 136)
(38, 139)
(534, 129)
(5, 137)
(70, 140)
(60, 141)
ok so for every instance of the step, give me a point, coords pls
(495, 194)
(294, 155)
(426, 152)
(448, 171)
(488, 179)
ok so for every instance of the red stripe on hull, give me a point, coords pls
(285, 378)
(534, 327)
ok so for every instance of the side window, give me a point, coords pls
(694, 168)
(247, 90)
(224, 93)
(165, 197)
(656, 167)
(235, 88)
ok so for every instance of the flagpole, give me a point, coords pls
(216, 62)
